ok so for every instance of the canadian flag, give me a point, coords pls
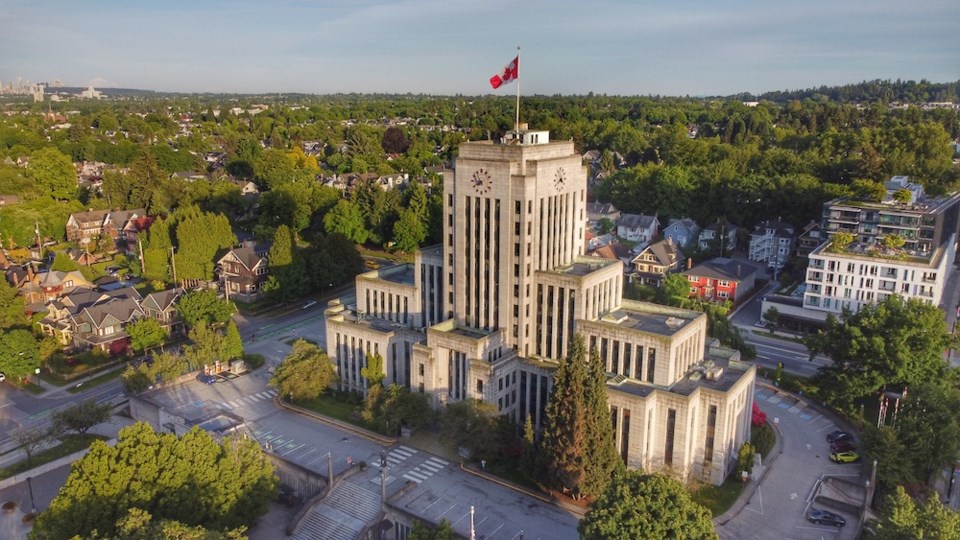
(510, 74)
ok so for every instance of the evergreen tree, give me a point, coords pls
(233, 343)
(288, 273)
(603, 462)
(579, 449)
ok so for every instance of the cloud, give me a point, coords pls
(102, 83)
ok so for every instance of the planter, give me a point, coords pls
(9, 506)
(27, 518)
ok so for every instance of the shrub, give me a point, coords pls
(763, 438)
(253, 361)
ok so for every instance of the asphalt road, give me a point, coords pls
(778, 507)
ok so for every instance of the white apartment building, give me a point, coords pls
(488, 314)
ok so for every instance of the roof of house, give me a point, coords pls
(809, 227)
(684, 223)
(246, 255)
(723, 268)
(161, 300)
(727, 227)
(121, 310)
(778, 227)
(601, 208)
(637, 221)
(665, 251)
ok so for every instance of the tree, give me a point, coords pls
(409, 231)
(138, 524)
(53, 171)
(19, 353)
(63, 263)
(893, 342)
(305, 373)
(394, 141)
(12, 307)
(646, 506)
(204, 306)
(200, 237)
(675, 290)
(145, 333)
(606, 225)
(192, 480)
(443, 531)
(902, 196)
(30, 439)
(373, 370)
(288, 277)
(771, 316)
(346, 219)
(209, 346)
(745, 457)
(472, 424)
(233, 343)
(893, 241)
(577, 434)
(906, 518)
(839, 242)
(928, 426)
(80, 417)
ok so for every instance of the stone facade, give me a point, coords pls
(488, 314)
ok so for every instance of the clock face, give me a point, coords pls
(481, 181)
(560, 178)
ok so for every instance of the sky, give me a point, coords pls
(444, 47)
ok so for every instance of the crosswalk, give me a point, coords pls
(248, 400)
(398, 456)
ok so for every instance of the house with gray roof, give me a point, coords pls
(638, 228)
(684, 232)
(655, 261)
(243, 271)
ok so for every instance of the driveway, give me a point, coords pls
(778, 506)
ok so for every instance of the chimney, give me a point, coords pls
(689, 263)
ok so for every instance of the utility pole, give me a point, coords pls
(143, 269)
(173, 264)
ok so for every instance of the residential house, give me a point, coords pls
(771, 242)
(246, 186)
(82, 227)
(189, 176)
(81, 257)
(393, 181)
(7, 200)
(162, 307)
(721, 279)
(684, 232)
(710, 234)
(80, 320)
(597, 212)
(45, 286)
(243, 271)
(655, 261)
(638, 228)
(809, 238)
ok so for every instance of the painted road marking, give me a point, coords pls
(806, 416)
(405, 449)
(440, 461)
(292, 449)
(408, 477)
(418, 474)
(430, 466)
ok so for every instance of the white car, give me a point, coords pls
(308, 304)
(3, 377)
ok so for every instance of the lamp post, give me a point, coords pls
(33, 505)
(37, 372)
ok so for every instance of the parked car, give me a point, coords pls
(844, 457)
(308, 304)
(839, 435)
(3, 377)
(825, 517)
(206, 379)
(843, 446)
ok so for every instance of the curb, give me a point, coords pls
(49, 466)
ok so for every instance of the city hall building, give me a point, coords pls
(488, 314)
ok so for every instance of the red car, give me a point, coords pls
(843, 446)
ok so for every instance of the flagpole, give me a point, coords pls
(516, 123)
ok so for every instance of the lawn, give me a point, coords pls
(718, 499)
(334, 408)
(68, 445)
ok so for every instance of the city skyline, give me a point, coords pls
(438, 47)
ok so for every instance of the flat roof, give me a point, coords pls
(582, 267)
(663, 324)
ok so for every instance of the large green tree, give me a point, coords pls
(204, 306)
(646, 506)
(904, 517)
(893, 342)
(577, 434)
(80, 417)
(201, 237)
(191, 479)
(145, 333)
(928, 427)
(305, 373)
(288, 278)
(346, 219)
(53, 171)
(19, 353)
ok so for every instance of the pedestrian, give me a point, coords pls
(349, 461)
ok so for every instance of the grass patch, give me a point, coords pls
(718, 499)
(96, 381)
(52, 379)
(68, 445)
(335, 408)
(514, 476)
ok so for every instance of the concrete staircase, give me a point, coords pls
(342, 515)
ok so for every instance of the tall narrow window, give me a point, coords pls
(711, 429)
(651, 364)
(668, 444)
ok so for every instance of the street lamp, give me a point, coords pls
(37, 372)
(33, 505)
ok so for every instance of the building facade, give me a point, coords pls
(489, 313)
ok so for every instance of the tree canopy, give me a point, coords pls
(904, 517)
(191, 479)
(646, 506)
(305, 373)
(893, 342)
(204, 306)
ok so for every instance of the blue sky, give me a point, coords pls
(678, 47)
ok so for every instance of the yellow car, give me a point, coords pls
(844, 457)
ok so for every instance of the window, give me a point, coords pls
(668, 444)
(479, 386)
(711, 429)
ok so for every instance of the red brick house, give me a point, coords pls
(721, 279)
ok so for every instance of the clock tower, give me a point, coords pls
(512, 208)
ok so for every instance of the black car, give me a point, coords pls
(825, 517)
(838, 436)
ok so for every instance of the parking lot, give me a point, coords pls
(778, 507)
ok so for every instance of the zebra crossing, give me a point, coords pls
(399, 455)
(248, 400)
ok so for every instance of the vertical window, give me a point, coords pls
(625, 435)
(668, 444)
(651, 364)
(711, 429)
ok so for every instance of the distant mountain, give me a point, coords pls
(868, 91)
